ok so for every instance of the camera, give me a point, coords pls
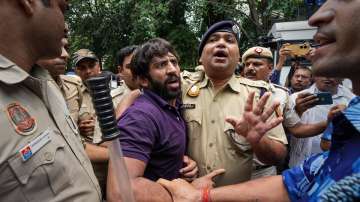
(298, 50)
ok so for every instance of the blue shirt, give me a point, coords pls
(154, 132)
(310, 180)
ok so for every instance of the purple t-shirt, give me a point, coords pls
(154, 132)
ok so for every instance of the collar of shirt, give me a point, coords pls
(11, 73)
(159, 100)
(233, 83)
(352, 113)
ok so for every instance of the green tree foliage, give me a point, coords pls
(105, 26)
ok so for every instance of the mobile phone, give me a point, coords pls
(325, 98)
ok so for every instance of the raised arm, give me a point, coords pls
(254, 124)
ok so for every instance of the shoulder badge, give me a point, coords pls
(20, 118)
(257, 84)
(281, 87)
(193, 76)
(194, 91)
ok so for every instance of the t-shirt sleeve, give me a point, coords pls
(137, 134)
(299, 179)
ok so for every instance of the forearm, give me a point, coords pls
(263, 189)
(97, 153)
(269, 151)
(149, 191)
(307, 130)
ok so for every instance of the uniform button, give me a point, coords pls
(211, 144)
(212, 121)
(208, 167)
(214, 100)
(48, 156)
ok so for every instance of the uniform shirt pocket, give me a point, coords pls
(193, 119)
(46, 171)
(238, 141)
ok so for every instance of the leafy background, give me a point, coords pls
(105, 26)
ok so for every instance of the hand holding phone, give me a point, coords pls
(324, 98)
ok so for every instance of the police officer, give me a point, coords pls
(69, 85)
(216, 93)
(87, 66)
(41, 157)
(258, 63)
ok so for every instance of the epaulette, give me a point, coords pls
(71, 79)
(256, 84)
(117, 91)
(281, 87)
(193, 76)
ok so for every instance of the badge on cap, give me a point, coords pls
(194, 91)
(20, 118)
(258, 50)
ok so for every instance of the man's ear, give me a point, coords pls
(28, 6)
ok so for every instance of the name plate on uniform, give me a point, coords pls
(35, 145)
(187, 106)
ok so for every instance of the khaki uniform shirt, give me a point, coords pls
(281, 94)
(87, 109)
(291, 118)
(213, 142)
(70, 88)
(41, 156)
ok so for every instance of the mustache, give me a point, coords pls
(250, 73)
(172, 78)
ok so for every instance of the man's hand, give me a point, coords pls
(207, 180)
(190, 171)
(254, 123)
(283, 53)
(335, 110)
(126, 102)
(305, 101)
(87, 127)
(181, 190)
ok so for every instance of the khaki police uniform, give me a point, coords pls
(280, 94)
(70, 87)
(213, 143)
(41, 156)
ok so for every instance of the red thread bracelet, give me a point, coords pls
(205, 195)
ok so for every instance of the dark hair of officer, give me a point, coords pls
(123, 53)
(141, 60)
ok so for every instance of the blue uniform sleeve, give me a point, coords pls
(299, 179)
(275, 77)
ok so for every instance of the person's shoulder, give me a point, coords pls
(251, 83)
(192, 76)
(281, 88)
(72, 80)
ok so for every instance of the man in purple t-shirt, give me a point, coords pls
(153, 133)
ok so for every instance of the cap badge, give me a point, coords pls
(235, 29)
(258, 50)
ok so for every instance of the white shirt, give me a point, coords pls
(302, 148)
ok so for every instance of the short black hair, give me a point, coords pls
(123, 53)
(156, 47)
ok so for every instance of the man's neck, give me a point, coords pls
(218, 83)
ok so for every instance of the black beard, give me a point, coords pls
(161, 90)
